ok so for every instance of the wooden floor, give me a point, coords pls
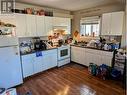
(71, 79)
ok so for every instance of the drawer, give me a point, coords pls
(53, 51)
(63, 62)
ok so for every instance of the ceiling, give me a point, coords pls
(71, 5)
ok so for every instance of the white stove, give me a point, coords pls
(63, 55)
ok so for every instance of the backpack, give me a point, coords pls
(92, 68)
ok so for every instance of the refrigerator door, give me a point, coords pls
(10, 67)
(8, 41)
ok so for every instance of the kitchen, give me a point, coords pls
(49, 49)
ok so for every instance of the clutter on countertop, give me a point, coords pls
(32, 11)
(26, 47)
(7, 29)
(99, 44)
(2, 24)
(34, 45)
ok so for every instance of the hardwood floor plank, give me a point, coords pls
(71, 79)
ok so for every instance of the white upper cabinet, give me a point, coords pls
(31, 25)
(59, 21)
(40, 25)
(20, 25)
(106, 25)
(112, 23)
(8, 18)
(48, 25)
(28, 25)
(62, 23)
(117, 22)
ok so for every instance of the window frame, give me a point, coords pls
(92, 20)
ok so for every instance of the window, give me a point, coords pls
(90, 26)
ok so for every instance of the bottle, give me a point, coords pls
(105, 47)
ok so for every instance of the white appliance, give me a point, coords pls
(63, 55)
(10, 66)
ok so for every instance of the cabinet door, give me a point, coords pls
(106, 60)
(68, 21)
(53, 60)
(77, 55)
(64, 22)
(117, 23)
(8, 18)
(38, 67)
(50, 59)
(93, 56)
(40, 26)
(31, 25)
(48, 25)
(106, 24)
(58, 21)
(20, 25)
(27, 65)
(89, 58)
(74, 54)
(97, 59)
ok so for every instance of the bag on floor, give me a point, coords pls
(103, 71)
(92, 68)
(115, 74)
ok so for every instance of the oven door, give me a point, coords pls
(63, 53)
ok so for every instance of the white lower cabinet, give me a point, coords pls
(77, 55)
(85, 56)
(92, 56)
(31, 64)
(50, 59)
(88, 58)
(106, 60)
(27, 65)
(38, 67)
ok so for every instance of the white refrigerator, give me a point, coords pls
(10, 65)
